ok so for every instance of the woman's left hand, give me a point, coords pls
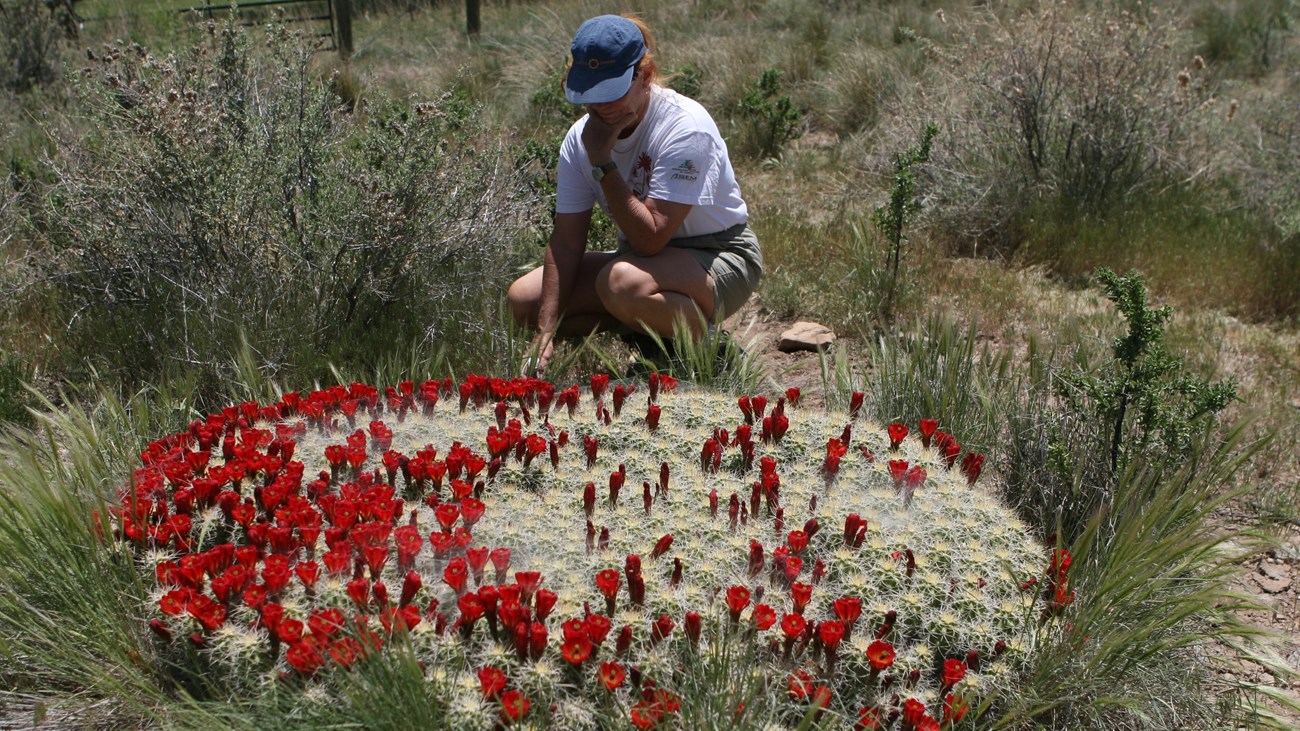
(599, 136)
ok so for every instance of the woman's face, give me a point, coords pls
(635, 101)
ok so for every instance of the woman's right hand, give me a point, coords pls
(539, 355)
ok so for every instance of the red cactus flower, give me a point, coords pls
(304, 657)
(471, 509)
(456, 574)
(359, 591)
(544, 601)
(898, 470)
(737, 600)
(953, 671)
(797, 540)
(830, 633)
(870, 719)
(764, 617)
(801, 594)
(611, 675)
(897, 433)
(954, 708)
(800, 684)
(793, 625)
(574, 629)
(971, 466)
(661, 627)
(597, 628)
(411, 585)
(692, 627)
(928, 427)
(500, 558)
(913, 712)
(608, 581)
(880, 654)
(916, 476)
(576, 651)
(447, 515)
(855, 404)
(848, 609)
(514, 706)
(662, 546)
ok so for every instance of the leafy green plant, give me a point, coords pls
(687, 79)
(1146, 403)
(769, 119)
(1080, 422)
(892, 218)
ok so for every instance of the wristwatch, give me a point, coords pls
(603, 170)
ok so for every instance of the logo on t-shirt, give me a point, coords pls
(686, 171)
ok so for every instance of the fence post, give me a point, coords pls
(472, 23)
(343, 29)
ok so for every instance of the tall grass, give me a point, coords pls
(934, 369)
(1152, 577)
(72, 605)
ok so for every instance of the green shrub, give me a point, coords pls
(768, 119)
(687, 79)
(224, 194)
(15, 401)
(1080, 426)
(30, 36)
(1076, 109)
(1247, 36)
(891, 219)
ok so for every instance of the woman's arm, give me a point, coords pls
(559, 273)
(647, 225)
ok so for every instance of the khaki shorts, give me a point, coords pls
(734, 260)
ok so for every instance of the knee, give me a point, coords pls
(618, 284)
(523, 300)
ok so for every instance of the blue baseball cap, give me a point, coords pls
(605, 50)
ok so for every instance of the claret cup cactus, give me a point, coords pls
(563, 558)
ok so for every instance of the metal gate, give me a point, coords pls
(315, 11)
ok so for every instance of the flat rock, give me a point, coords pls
(805, 336)
(1272, 585)
(1275, 570)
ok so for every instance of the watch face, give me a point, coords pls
(597, 173)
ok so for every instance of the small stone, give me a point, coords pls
(1277, 571)
(806, 336)
(1272, 585)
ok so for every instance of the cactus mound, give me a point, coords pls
(545, 552)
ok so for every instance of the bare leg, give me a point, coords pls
(584, 315)
(657, 291)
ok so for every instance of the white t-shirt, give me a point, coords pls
(675, 154)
